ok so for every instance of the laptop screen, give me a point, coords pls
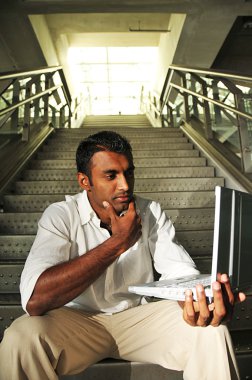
(233, 237)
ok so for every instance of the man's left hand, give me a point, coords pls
(201, 313)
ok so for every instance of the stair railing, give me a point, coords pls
(216, 104)
(34, 97)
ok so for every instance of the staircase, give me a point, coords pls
(168, 169)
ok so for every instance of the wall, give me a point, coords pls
(43, 35)
(19, 48)
(167, 47)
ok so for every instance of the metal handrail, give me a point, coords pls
(27, 100)
(28, 73)
(220, 104)
(211, 72)
(177, 80)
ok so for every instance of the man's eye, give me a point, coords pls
(110, 177)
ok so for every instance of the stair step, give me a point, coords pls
(171, 172)
(65, 145)
(118, 369)
(70, 155)
(141, 185)
(15, 248)
(135, 141)
(10, 274)
(19, 223)
(168, 200)
(8, 313)
(138, 162)
(187, 219)
(10, 278)
(147, 132)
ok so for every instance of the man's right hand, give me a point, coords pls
(128, 228)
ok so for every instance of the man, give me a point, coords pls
(87, 251)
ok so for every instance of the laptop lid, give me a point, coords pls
(232, 244)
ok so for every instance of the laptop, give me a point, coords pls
(232, 251)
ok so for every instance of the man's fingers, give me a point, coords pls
(224, 279)
(188, 311)
(110, 209)
(204, 313)
(219, 311)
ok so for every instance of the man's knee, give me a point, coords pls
(23, 331)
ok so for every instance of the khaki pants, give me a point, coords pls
(66, 341)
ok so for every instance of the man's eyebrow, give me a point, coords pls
(110, 171)
(113, 171)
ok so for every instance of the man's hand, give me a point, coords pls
(127, 228)
(201, 313)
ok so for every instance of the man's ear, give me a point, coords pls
(83, 181)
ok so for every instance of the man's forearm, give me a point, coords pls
(62, 283)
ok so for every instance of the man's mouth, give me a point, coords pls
(124, 198)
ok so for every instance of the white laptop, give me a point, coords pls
(232, 251)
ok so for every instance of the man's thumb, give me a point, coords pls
(105, 204)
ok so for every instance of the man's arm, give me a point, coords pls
(201, 313)
(62, 283)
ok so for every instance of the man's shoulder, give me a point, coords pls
(63, 207)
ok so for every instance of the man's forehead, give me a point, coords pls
(108, 159)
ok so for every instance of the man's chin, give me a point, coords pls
(121, 208)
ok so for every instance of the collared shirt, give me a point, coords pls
(71, 228)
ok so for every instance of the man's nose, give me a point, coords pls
(123, 183)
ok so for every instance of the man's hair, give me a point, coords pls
(102, 141)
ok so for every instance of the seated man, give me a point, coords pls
(74, 285)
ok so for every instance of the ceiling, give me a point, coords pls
(109, 29)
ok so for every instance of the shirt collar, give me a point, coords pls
(85, 210)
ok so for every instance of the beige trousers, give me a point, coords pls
(66, 341)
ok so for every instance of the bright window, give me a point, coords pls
(113, 76)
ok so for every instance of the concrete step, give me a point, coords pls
(155, 172)
(168, 200)
(135, 146)
(141, 185)
(138, 162)
(134, 140)
(70, 155)
(110, 369)
(186, 219)
(15, 248)
(126, 132)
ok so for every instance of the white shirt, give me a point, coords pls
(71, 228)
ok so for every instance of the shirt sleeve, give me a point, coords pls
(170, 258)
(51, 247)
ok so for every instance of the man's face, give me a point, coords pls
(112, 180)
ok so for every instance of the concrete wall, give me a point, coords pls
(167, 48)
(43, 35)
(19, 47)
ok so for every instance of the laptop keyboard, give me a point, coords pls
(189, 284)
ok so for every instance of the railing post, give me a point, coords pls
(217, 111)
(185, 96)
(15, 99)
(27, 113)
(69, 118)
(46, 98)
(194, 100)
(207, 115)
(62, 117)
(36, 102)
(170, 118)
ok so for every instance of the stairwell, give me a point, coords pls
(168, 169)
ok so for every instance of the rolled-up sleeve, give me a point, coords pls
(170, 258)
(51, 247)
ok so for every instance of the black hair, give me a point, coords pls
(100, 141)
